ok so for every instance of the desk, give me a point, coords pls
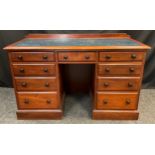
(38, 61)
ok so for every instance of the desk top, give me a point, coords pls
(77, 41)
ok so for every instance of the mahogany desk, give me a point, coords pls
(116, 61)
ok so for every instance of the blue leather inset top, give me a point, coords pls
(77, 42)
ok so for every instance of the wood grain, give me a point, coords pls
(37, 100)
(118, 83)
(118, 56)
(77, 56)
(115, 114)
(42, 74)
(27, 69)
(117, 101)
(93, 35)
(120, 69)
(39, 114)
(32, 57)
(35, 84)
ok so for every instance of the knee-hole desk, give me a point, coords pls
(44, 66)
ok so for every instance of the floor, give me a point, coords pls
(77, 110)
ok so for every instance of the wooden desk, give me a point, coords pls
(36, 64)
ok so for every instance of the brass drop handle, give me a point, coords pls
(45, 57)
(131, 69)
(108, 57)
(24, 84)
(105, 101)
(127, 101)
(133, 56)
(87, 57)
(26, 101)
(20, 57)
(47, 84)
(22, 70)
(48, 101)
(130, 84)
(65, 57)
(106, 84)
(107, 69)
(45, 70)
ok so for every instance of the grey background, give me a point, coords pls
(145, 36)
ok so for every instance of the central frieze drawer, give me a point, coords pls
(36, 84)
(37, 100)
(120, 68)
(121, 56)
(32, 56)
(116, 83)
(116, 101)
(34, 69)
(77, 56)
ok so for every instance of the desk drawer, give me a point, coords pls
(117, 101)
(34, 69)
(121, 56)
(36, 84)
(77, 56)
(37, 100)
(32, 56)
(120, 68)
(117, 83)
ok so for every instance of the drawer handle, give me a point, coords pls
(131, 69)
(130, 84)
(26, 101)
(47, 84)
(24, 84)
(45, 70)
(108, 57)
(22, 70)
(107, 69)
(45, 57)
(87, 57)
(48, 101)
(65, 57)
(128, 101)
(20, 57)
(106, 84)
(105, 101)
(133, 56)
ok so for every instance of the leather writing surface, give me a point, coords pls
(77, 42)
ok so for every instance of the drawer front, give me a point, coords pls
(121, 56)
(118, 83)
(77, 56)
(32, 56)
(34, 69)
(121, 69)
(35, 84)
(117, 101)
(37, 100)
